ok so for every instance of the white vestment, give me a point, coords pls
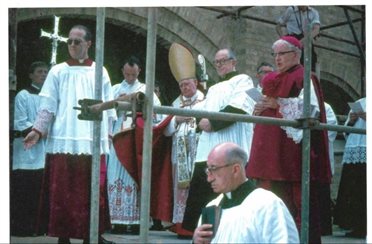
(292, 109)
(25, 111)
(123, 193)
(184, 144)
(261, 218)
(356, 144)
(230, 92)
(332, 120)
(64, 87)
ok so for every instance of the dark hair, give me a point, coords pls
(88, 34)
(264, 64)
(132, 60)
(35, 65)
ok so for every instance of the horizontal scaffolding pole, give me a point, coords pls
(337, 50)
(361, 11)
(242, 118)
(340, 24)
(237, 14)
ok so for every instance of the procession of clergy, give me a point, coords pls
(185, 169)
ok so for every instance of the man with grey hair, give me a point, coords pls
(279, 169)
(229, 95)
(248, 214)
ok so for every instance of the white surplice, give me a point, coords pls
(123, 193)
(230, 92)
(261, 218)
(64, 87)
(25, 111)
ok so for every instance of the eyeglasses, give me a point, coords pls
(213, 169)
(264, 72)
(75, 41)
(281, 53)
(221, 62)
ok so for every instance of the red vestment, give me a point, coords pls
(276, 160)
(128, 146)
(65, 201)
(274, 156)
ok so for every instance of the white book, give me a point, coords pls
(254, 93)
(356, 107)
(314, 111)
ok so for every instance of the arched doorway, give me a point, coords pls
(120, 43)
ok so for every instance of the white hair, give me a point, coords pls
(288, 44)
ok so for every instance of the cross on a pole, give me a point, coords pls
(55, 39)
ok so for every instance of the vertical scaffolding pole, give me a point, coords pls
(12, 38)
(305, 187)
(147, 140)
(96, 150)
(12, 76)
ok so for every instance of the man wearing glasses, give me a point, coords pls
(279, 169)
(69, 144)
(229, 95)
(263, 69)
(247, 214)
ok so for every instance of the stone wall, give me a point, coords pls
(203, 32)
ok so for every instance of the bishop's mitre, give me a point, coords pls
(181, 62)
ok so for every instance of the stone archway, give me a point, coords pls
(202, 32)
(120, 43)
(335, 90)
(172, 27)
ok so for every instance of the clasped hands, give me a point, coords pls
(265, 103)
(355, 115)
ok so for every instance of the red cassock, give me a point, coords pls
(276, 157)
(128, 145)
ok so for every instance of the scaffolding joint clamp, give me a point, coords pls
(306, 123)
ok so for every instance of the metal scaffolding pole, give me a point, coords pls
(147, 140)
(96, 150)
(305, 180)
(242, 118)
(306, 124)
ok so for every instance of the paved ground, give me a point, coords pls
(168, 237)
